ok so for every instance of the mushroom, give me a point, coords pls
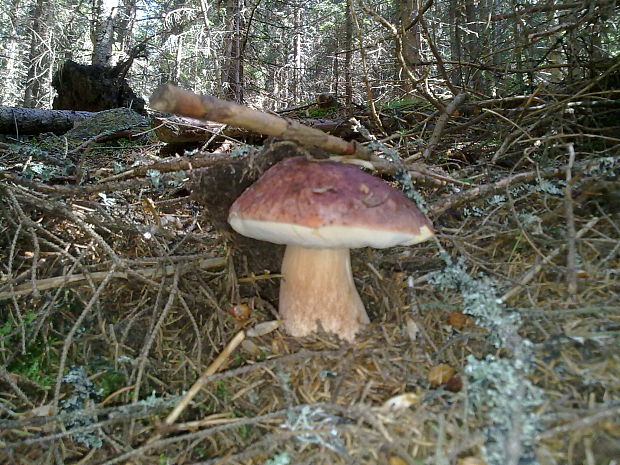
(320, 210)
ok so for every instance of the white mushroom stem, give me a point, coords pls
(317, 288)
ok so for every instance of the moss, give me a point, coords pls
(401, 104)
(115, 119)
(318, 112)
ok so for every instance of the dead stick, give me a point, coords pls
(200, 382)
(571, 243)
(66, 281)
(169, 98)
(441, 123)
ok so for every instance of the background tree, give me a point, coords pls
(40, 57)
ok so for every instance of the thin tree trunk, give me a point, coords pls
(297, 54)
(10, 53)
(39, 58)
(472, 40)
(455, 19)
(348, 56)
(125, 19)
(411, 37)
(102, 32)
(232, 70)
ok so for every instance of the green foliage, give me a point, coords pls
(399, 104)
(221, 392)
(37, 363)
(318, 112)
(111, 381)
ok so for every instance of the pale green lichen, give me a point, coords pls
(497, 388)
(316, 419)
(479, 300)
(533, 223)
(473, 211)
(497, 200)
(549, 187)
(83, 393)
(605, 166)
(279, 459)
(401, 175)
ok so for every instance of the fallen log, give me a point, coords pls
(182, 130)
(169, 98)
(28, 121)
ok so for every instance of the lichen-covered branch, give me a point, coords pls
(169, 98)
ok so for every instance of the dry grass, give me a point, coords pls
(147, 312)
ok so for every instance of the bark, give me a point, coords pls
(348, 56)
(473, 40)
(297, 55)
(112, 24)
(411, 38)
(102, 32)
(168, 98)
(455, 21)
(178, 130)
(19, 120)
(9, 54)
(232, 69)
(39, 62)
(124, 23)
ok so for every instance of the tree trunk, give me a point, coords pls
(20, 121)
(348, 56)
(472, 40)
(455, 19)
(10, 53)
(39, 60)
(102, 32)
(125, 19)
(411, 37)
(232, 69)
(297, 55)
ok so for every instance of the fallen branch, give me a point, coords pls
(169, 98)
(441, 124)
(168, 166)
(65, 281)
(445, 203)
(581, 423)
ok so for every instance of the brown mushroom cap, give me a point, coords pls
(323, 204)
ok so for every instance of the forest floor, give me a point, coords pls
(497, 343)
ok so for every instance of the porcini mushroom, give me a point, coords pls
(320, 210)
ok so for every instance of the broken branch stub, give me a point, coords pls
(173, 99)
